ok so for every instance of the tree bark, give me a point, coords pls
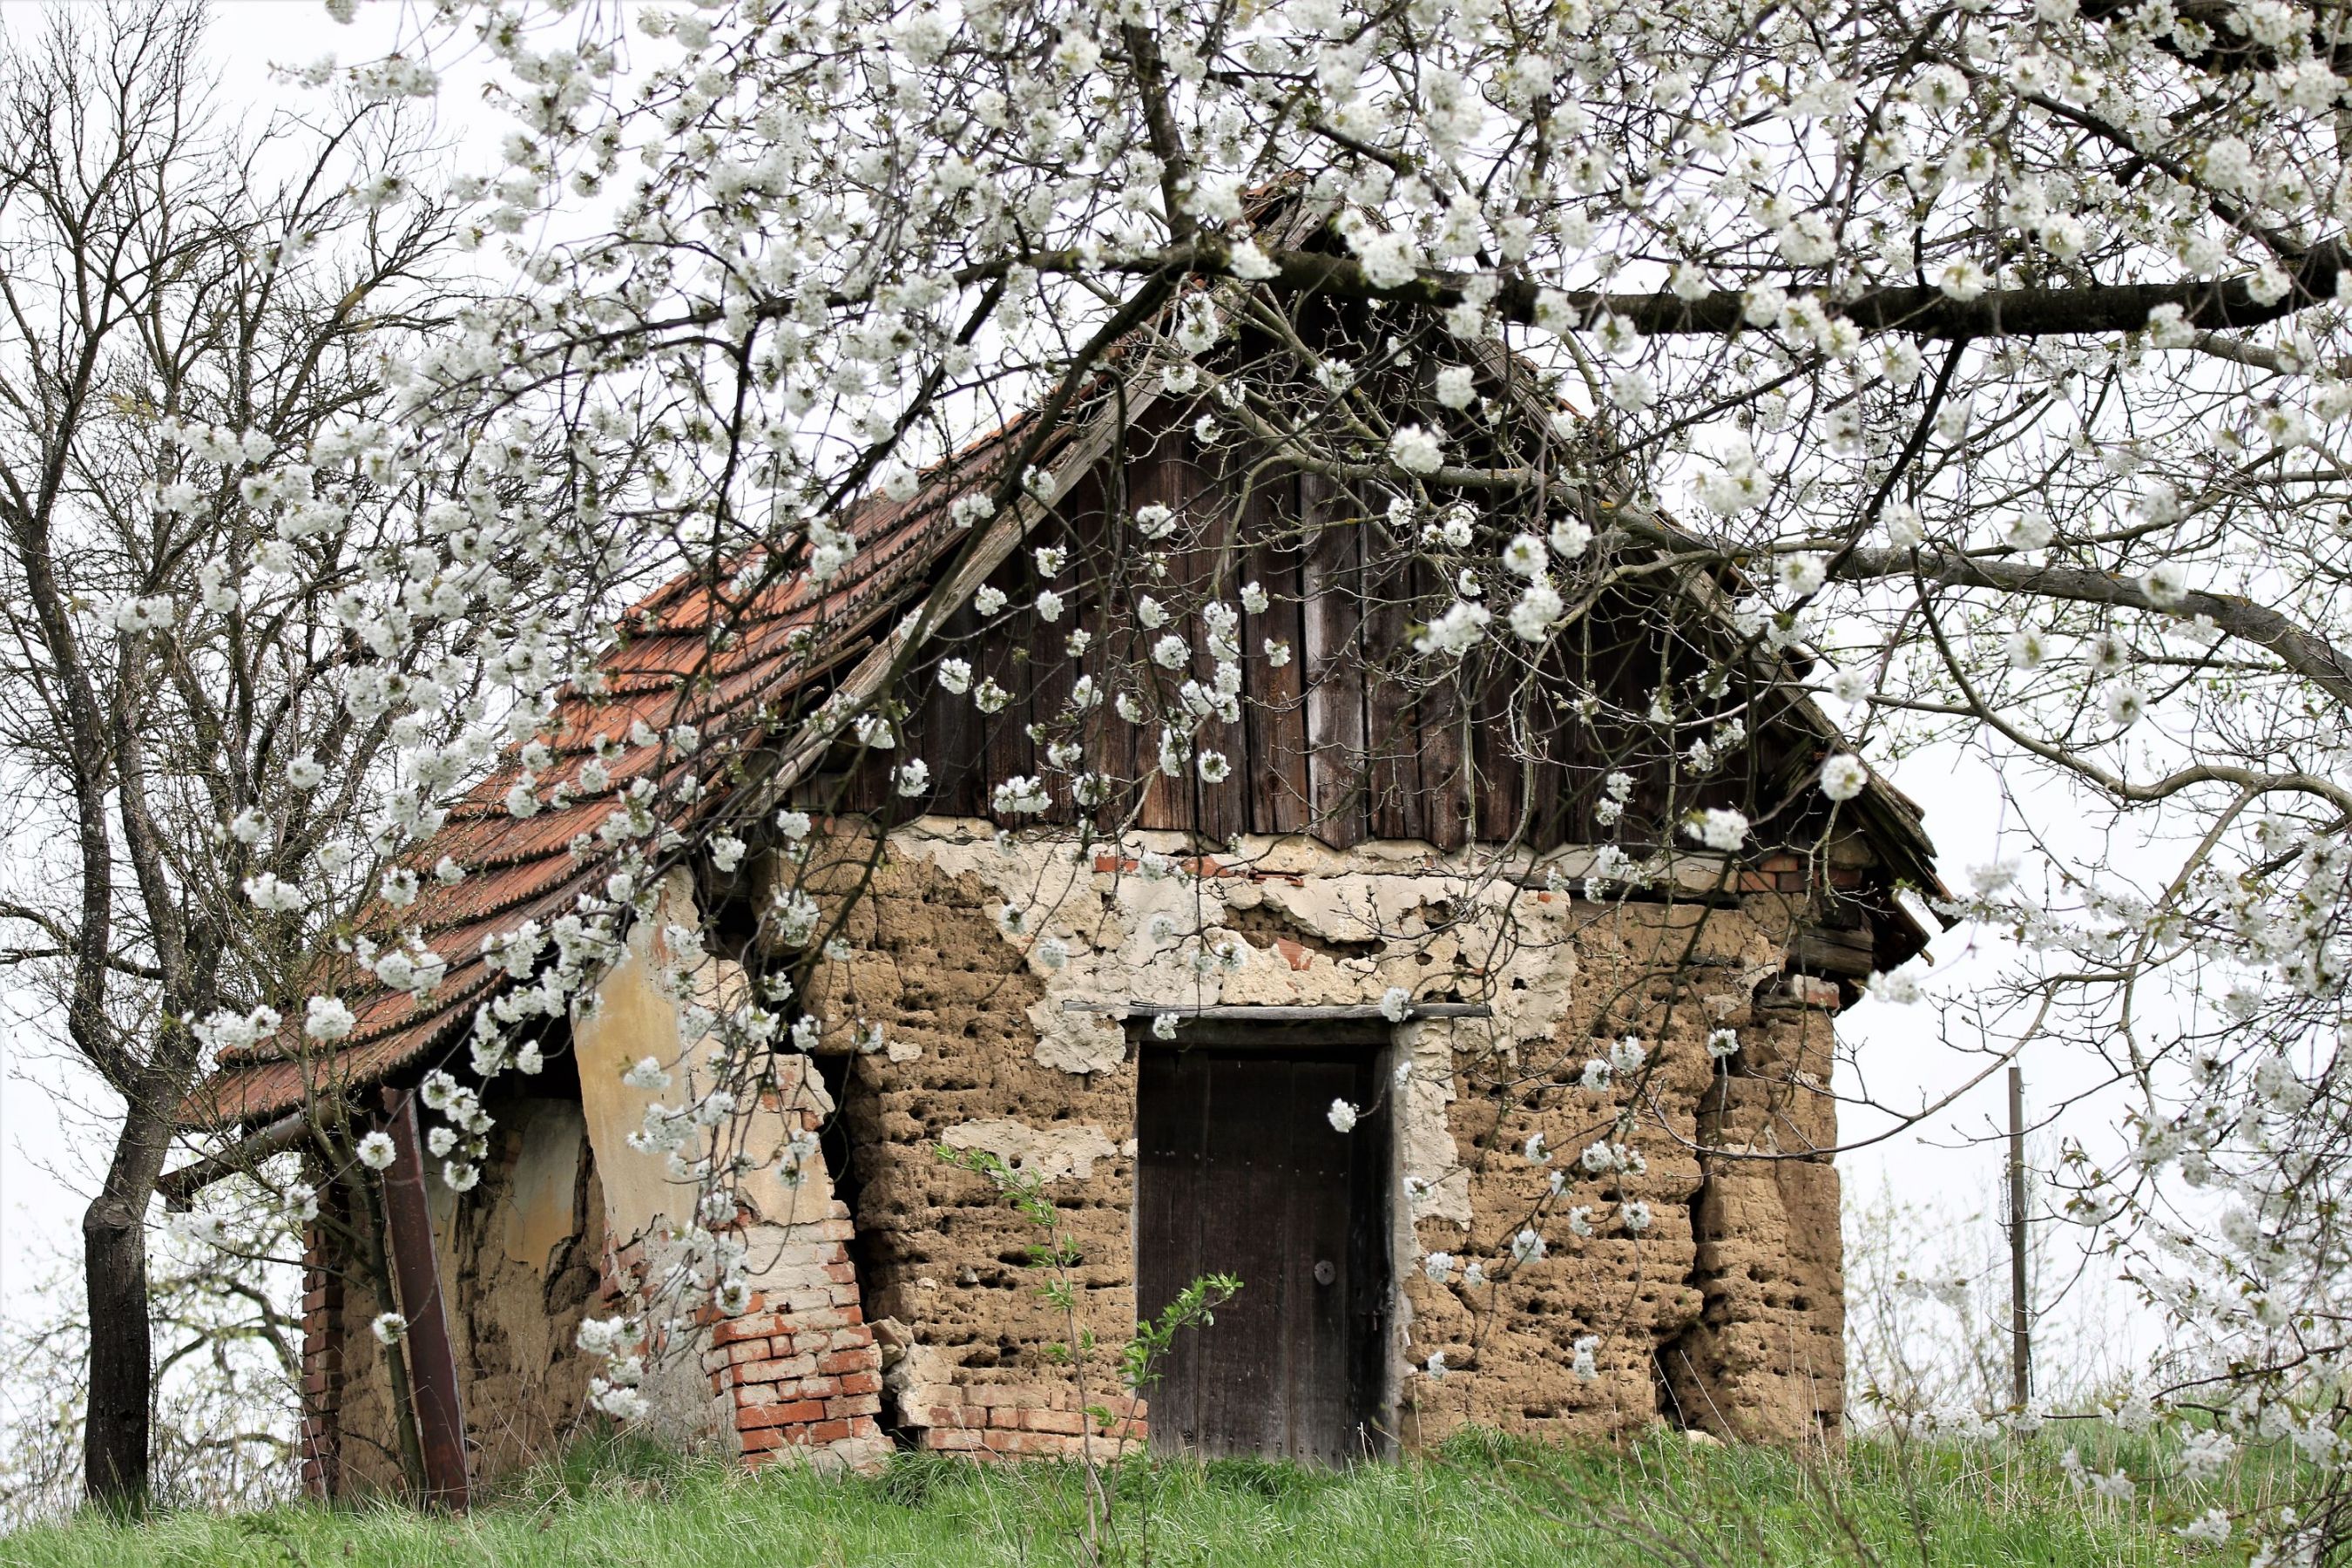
(122, 1351)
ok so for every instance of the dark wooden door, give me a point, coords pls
(1240, 1172)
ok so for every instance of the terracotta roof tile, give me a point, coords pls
(788, 634)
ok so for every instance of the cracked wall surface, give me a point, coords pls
(983, 1049)
(895, 1291)
(568, 1220)
(520, 1261)
(975, 1054)
(1766, 1358)
(796, 1373)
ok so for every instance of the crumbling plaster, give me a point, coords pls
(640, 1012)
(1379, 896)
(1048, 1153)
(1728, 1311)
(659, 1001)
(519, 1258)
(1319, 926)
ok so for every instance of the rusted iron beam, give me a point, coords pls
(1248, 1013)
(417, 1272)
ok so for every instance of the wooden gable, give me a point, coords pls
(1506, 750)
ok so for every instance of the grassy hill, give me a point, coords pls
(1477, 1500)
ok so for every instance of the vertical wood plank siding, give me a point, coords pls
(1327, 746)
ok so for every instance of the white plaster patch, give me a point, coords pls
(809, 1093)
(1326, 906)
(1076, 1042)
(1742, 990)
(1429, 1150)
(1065, 1149)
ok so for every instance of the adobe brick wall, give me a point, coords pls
(1687, 1334)
(944, 1255)
(1737, 1284)
(1767, 1354)
(798, 1373)
(519, 1285)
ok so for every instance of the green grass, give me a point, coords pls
(1479, 1500)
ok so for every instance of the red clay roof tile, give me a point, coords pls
(787, 634)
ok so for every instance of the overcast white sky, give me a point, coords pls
(55, 1124)
(48, 1158)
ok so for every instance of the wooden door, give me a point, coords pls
(1241, 1172)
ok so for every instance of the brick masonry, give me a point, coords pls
(798, 1373)
(322, 1366)
(1030, 1422)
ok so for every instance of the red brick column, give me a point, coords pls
(322, 1366)
(799, 1370)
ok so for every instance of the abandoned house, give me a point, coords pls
(1353, 873)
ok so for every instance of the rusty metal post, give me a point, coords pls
(416, 1271)
(2020, 1309)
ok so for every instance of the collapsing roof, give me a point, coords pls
(689, 654)
(765, 674)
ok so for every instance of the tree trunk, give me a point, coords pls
(121, 1352)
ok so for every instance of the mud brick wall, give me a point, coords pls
(1724, 1314)
(944, 1257)
(521, 1259)
(1767, 1359)
(1676, 1296)
(895, 1292)
(797, 1375)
